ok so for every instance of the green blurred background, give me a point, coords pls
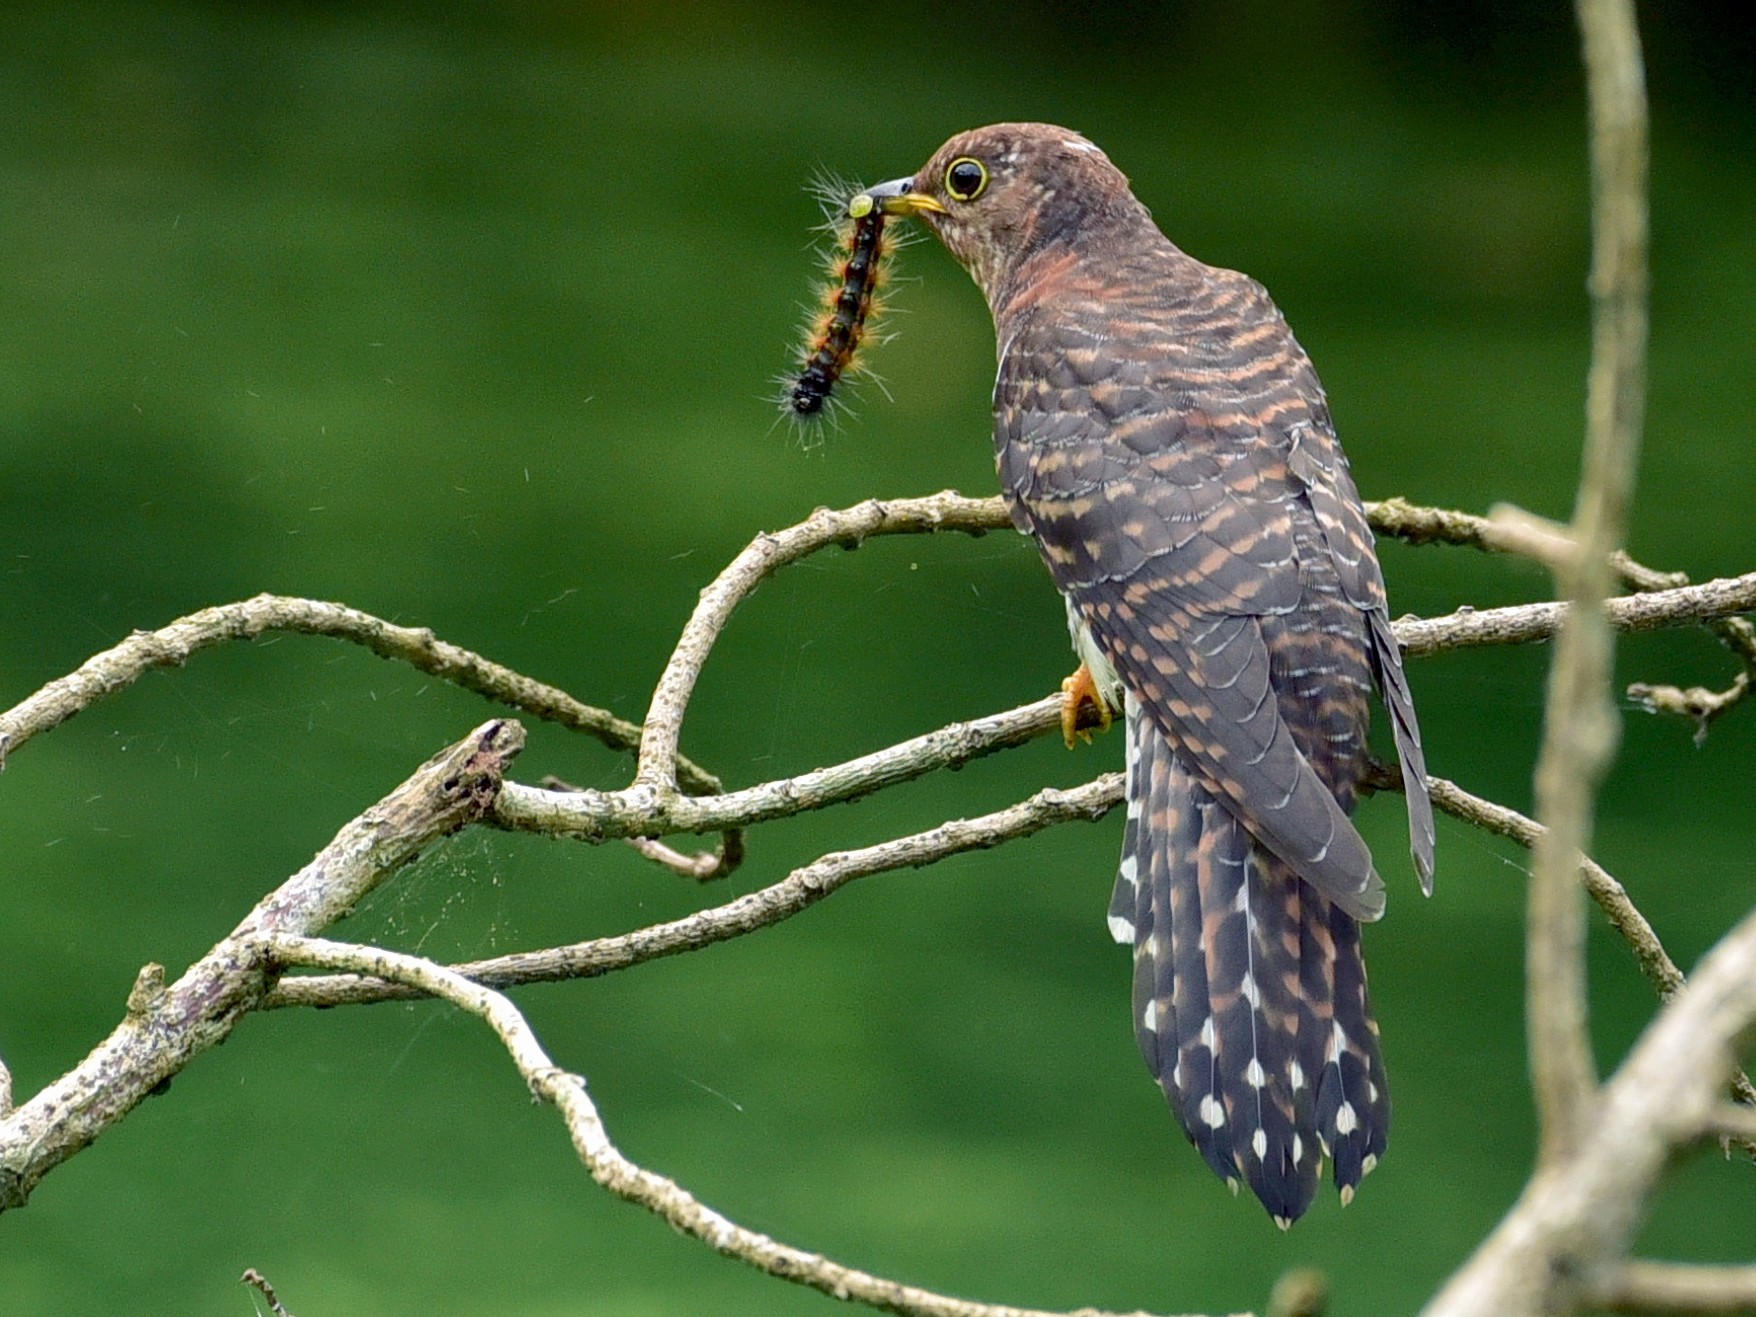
(468, 315)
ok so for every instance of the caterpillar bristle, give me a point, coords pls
(842, 325)
(831, 191)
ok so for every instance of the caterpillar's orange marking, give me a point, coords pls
(837, 333)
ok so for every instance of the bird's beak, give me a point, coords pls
(897, 197)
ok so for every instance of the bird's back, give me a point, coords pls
(1152, 417)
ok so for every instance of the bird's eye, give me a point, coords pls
(965, 179)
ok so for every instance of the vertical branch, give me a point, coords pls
(1580, 730)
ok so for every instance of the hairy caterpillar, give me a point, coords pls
(858, 263)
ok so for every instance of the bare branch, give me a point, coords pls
(799, 890)
(1673, 1287)
(663, 1197)
(597, 816)
(257, 1281)
(1469, 628)
(1426, 525)
(1735, 1123)
(646, 810)
(703, 866)
(1579, 727)
(1610, 896)
(710, 865)
(165, 1028)
(766, 555)
(590, 815)
(1416, 524)
(1735, 633)
(1696, 703)
(1578, 1214)
(171, 646)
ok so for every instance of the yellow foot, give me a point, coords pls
(1078, 691)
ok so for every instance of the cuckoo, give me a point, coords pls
(1164, 440)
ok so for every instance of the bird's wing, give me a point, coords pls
(1317, 463)
(1168, 513)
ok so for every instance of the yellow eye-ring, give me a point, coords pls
(966, 178)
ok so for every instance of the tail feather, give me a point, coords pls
(1189, 1073)
(1250, 1005)
(1353, 1098)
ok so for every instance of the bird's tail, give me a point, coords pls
(1250, 1001)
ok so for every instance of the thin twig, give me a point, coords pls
(710, 865)
(173, 645)
(590, 815)
(663, 1197)
(1696, 703)
(1735, 633)
(1427, 525)
(1611, 897)
(720, 860)
(1659, 1287)
(1600, 885)
(1470, 628)
(799, 890)
(257, 1281)
(848, 527)
(166, 1028)
(1735, 1123)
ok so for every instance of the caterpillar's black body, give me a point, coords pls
(837, 336)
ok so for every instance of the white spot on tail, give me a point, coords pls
(1252, 993)
(1122, 930)
(1368, 1163)
(1346, 1121)
(1296, 1075)
(1149, 1017)
(1298, 1150)
(1337, 1042)
(1209, 1039)
(1213, 1115)
(1259, 1144)
(1253, 1075)
(1347, 1194)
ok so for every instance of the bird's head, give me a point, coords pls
(1002, 195)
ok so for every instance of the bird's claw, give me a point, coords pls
(1078, 691)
